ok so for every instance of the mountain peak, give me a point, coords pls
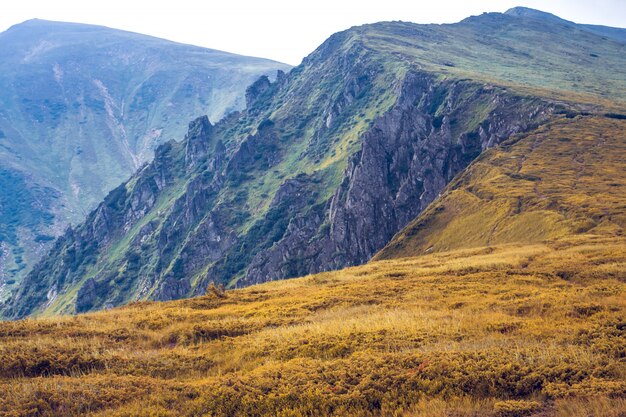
(43, 23)
(533, 13)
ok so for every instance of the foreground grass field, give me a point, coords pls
(511, 330)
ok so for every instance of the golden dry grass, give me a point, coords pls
(494, 331)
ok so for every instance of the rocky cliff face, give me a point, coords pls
(324, 166)
(406, 158)
(552, 184)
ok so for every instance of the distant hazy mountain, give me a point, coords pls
(81, 108)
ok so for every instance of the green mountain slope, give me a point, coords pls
(81, 108)
(617, 34)
(327, 163)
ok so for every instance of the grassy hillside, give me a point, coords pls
(81, 108)
(566, 178)
(500, 331)
(555, 59)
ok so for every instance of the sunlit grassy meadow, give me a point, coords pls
(494, 331)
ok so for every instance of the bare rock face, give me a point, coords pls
(255, 92)
(197, 140)
(407, 157)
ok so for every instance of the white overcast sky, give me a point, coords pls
(281, 29)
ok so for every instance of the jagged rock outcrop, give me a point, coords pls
(197, 140)
(406, 159)
(256, 90)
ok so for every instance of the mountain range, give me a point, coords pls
(82, 107)
(327, 163)
(451, 198)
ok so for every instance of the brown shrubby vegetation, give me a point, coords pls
(487, 331)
